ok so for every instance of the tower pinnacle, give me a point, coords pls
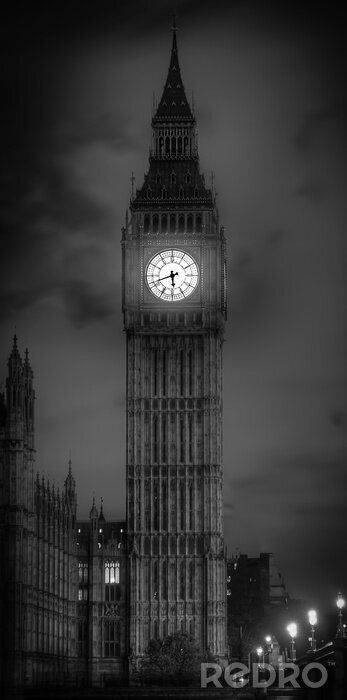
(15, 358)
(173, 105)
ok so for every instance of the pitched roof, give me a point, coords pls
(173, 105)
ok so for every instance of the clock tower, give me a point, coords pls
(174, 306)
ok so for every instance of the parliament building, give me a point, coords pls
(80, 601)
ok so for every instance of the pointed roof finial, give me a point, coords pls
(93, 513)
(101, 516)
(174, 23)
(173, 104)
(15, 356)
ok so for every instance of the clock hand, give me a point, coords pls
(172, 275)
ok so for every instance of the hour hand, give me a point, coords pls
(172, 275)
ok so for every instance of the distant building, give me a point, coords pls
(255, 593)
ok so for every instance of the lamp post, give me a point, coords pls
(312, 618)
(293, 630)
(268, 640)
(340, 602)
(269, 646)
(260, 652)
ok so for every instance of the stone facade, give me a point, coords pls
(63, 582)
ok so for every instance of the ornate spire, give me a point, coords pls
(70, 483)
(93, 513)
(101, 516)
(15, 358)
(173, 105)
(27, 366)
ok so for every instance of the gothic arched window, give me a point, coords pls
(182, 580)
(155, 223)
(82, 580)
(111, 638)
(111, 569)
(146, 223)
(155, 506)
(191, 579)
(164, 221)
(155, 580)
(164, 579)
(164, 504)
(155, 438)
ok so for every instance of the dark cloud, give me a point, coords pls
(256, 282)
(303, 466)
(51, 231)
(313, 191)
(338, 418)
(109, 129)
(333, 513)
(311, 127)
(85, 304)
(228, 508)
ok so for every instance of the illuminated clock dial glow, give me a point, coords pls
(172, 275)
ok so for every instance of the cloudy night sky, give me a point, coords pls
(269, 88)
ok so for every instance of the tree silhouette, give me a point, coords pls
(173, 661)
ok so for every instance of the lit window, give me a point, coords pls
(111, 580)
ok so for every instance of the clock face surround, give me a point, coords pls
(172, 275)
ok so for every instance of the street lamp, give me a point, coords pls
(269, 646)
(340, 604)
(293, 630)
(260, 652)
(312, 618)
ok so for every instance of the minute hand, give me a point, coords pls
(171, 275)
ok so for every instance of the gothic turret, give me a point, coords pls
(14, 384)
(28, 400)
(70, 493)
(93, 516)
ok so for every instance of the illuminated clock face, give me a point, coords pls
(172, 275)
